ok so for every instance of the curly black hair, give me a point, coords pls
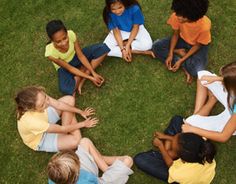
(193, 10)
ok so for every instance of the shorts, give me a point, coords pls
(48, 142)
(117, 173)
(67, 81)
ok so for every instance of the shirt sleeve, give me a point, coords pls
(38, 127)
(137, 16)
(111, 22)
(71, 35)
(204, 38)
(173, 21)
(174, 172)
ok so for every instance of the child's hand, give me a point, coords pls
(187, 128)
(157, 142)
(176, 66)
(97, 80)
(159, 135)
(87, 112)
(208, 79)
(125, 56)
(90, 122)
(169, 61)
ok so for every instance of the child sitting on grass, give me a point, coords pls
(183, 158)
(73, 64)
(188, 46)
(82, 166)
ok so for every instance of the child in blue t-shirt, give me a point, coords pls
(83, 166)
(127, 35)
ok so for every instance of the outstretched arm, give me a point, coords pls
(70, 68)
(223, 136)
(88, 123)
(69, 108)
(84, 60)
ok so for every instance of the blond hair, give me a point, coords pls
(63, 168)
(26, 99)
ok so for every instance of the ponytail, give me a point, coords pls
(207, 152)
(193, 148)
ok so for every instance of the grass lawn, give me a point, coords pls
(136, 99)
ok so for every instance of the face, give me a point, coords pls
(60, 39)
(182, 19)
(117, 8)
(42, 101)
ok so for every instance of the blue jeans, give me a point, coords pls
(151, 162)
(196, 62)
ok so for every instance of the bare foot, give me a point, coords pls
(189, 78)
(150, 53)
(180, 52)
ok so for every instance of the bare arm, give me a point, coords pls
(63, 106)
(193, 50)
(158, 143)
(55, 128)
(133, 34)
(119, 41)
(70, 68)
(223, 136)
(82, 57)
(88, 123)
(118, 38)
(173, 42)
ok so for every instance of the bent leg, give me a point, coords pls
(142, 41)
(152, 163)
(68, 118)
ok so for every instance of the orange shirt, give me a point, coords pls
(192, 32)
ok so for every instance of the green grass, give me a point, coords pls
(136, 99)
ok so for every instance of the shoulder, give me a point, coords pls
(71, 35)
(205, 23)
(134, 8)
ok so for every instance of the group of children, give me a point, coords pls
(183, 156)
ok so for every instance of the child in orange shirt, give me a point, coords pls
(188, 46)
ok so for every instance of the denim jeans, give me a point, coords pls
(196, 62)
(152, 162)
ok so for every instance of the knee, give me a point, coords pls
(128, 161)
(75, 142)
(138, 160)
(69, 100)
(147, 45)
(85, 142)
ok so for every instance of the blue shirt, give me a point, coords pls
(131, 15)
(84, 177)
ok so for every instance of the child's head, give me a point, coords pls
(63, 168)
(193, 148)
(117, 7)
(57, 33)
(30, 99)
(189, 10)
(228, 73)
